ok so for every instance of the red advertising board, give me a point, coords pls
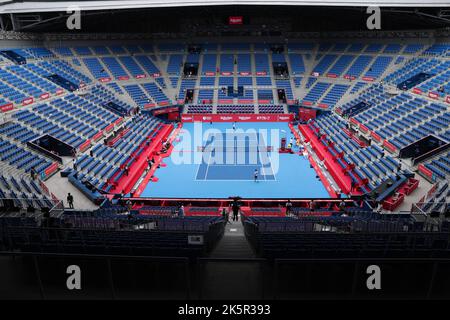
(237, 117)
(149, 105)
(389, 146)
(305, 114)
(7, 107)
(45, 96)
(433, 95)
(235, 20)
(27, 101)
(165, 110)
(368, 78)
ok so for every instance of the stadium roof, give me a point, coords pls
(24, 6)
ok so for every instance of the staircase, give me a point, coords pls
(233, 244)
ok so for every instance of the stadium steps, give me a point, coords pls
(162, 66)
(300, 92)
(233, 243)
(7, 169)
(80, 68)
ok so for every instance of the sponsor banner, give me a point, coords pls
(109, 128)
(425, 171)
(45, 96)
(149, 105)
(85, 145)
(98, 135)
(347, 76)
(245, 73)
(368, 78)
(265, 101)
(354, 121)
(261, 73)
(339, 110)
(210, 74)
(180, 101)
(245, 101)
(6, 107)
(156, 75)
(307, 103)
(27, 101)
(447, 99)
(235, 20)
(226, 73)
(205, 101)
(433, 95)
(305, 114)
(106, 79)
(389, 146)
(323, 105)
(123, 78)
(363, 128)
(61, 91)
(417, 91)
(225, 101)
(375, 136)
(163, 103)
(165, 110)
(331, 75)
(118, 121)
(315, 74)
(141, 76)
(237, 117)
(51, 169)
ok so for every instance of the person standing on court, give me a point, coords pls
(234, 126)
(255, 175)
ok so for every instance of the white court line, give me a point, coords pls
(211, 142)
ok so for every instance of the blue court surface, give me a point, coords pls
(221, 162)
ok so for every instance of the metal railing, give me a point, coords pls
(44, 276)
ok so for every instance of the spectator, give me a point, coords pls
(399, 167)
(288, 207)
(70, 200)
(352, 185)
(312, 205)
(235, 209)
(342, 206)
(255, 175)
(181, 211)
(225, 215)
(33, 173)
